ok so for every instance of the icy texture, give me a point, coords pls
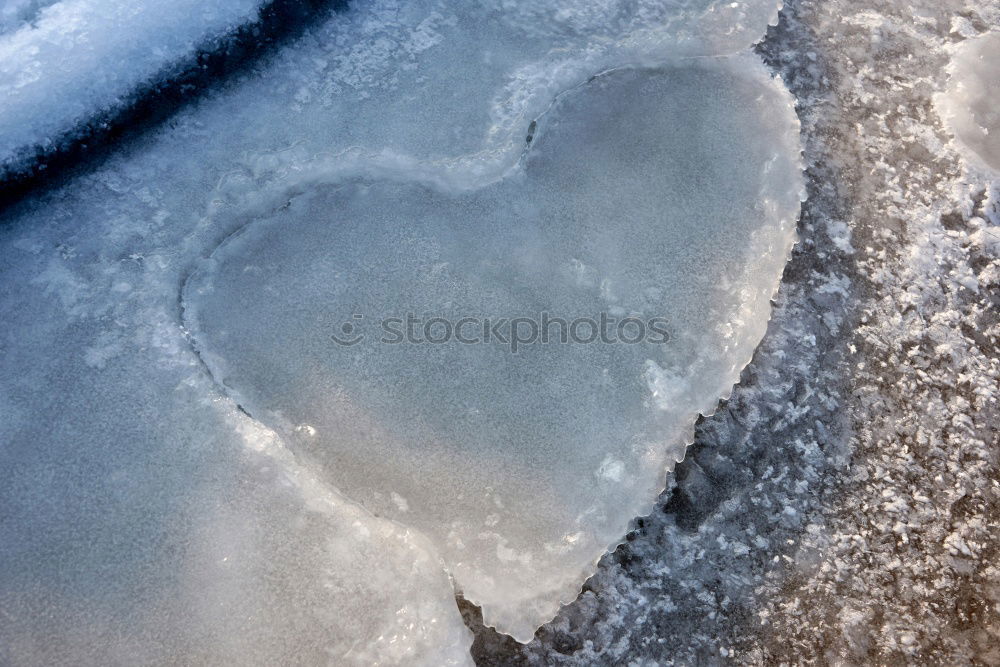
(79, 58)
(144, 522)
(15, 13)
(970, 106)
(843, 508)
(459, 82)
(467, 71)
(669, 193)
(136, 498)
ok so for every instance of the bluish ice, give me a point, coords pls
(146, 517)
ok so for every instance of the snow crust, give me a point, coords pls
(80, 58)
(15, 13)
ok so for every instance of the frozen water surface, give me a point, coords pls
(668, 193)
(146, 519)
(969, 105)
(468, 73)
(146, 523)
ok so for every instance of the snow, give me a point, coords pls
(15, 13)
(62, 63)
(840, 424)
(55, 74)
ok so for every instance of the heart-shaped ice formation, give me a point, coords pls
(645, 194)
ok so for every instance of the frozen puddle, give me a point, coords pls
(668, 193)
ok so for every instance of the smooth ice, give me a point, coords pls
(969, 104)
(145, 517)
(669, 193)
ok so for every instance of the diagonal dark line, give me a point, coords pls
(36, 169)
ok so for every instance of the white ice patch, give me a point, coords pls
(66, 62)
(677, 187)
(15, 13)
(969, 106)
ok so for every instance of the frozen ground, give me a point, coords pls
(840, 507)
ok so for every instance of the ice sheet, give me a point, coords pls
(668, 193)
(127, 475)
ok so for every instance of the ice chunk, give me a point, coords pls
(460, 82)
(647, 193)
(969, 106)
(695, 27)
